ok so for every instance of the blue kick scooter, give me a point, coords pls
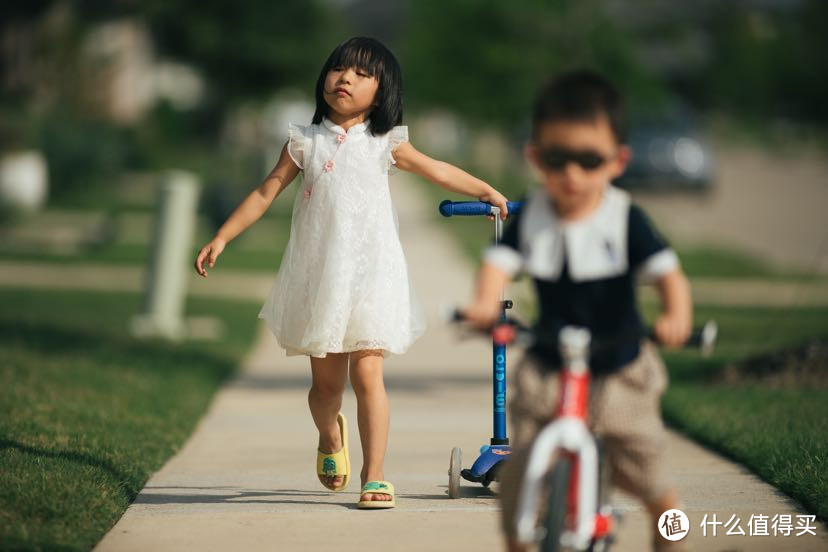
(485, 468)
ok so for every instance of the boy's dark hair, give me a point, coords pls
(580, 96)
(374, 58)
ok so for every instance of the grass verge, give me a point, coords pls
(777, 432)
(260, 248)
(88, 413)
(233, 257)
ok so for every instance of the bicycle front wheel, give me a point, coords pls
(556, 505)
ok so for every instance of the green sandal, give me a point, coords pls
(337, 463)
(377, 487)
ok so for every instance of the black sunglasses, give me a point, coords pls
(559, 158)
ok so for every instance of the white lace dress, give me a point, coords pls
(343, 283)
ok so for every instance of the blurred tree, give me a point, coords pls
(39, 42)
(244, 51)
(247, 49)
(755, 60)
(486, 59)
(770, 62)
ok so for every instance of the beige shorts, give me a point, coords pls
(624, 411)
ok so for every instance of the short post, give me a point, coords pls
(24, 181)
(166, 283)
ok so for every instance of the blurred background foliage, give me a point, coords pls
(486, 59)
(753, 63)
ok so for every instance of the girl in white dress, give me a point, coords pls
(343, 296)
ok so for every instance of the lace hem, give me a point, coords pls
(349, 347)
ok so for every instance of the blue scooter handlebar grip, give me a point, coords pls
(450, 208)
(464, 208)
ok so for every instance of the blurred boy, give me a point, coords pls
(585, 244)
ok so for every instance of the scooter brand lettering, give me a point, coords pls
(500, 382)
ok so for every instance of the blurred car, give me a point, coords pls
(668, 156)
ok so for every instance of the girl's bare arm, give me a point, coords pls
(447, 176)
(249, 211)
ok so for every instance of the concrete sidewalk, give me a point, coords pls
(245, 479)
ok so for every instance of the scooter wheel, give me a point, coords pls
(454, 472)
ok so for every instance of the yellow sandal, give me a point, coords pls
(377, 487)
(337, 463)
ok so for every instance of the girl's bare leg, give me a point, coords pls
(372, 415)
(329, 376)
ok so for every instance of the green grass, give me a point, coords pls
(778, 433)
(233, 257)
(714, 262)
(745, 331)
(260, 248)
(88, 413)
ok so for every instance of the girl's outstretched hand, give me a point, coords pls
(209, 253)
(498, 200)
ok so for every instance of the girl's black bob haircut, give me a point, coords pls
(374, 58)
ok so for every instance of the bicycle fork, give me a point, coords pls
(568, 434)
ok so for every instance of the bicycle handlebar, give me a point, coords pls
(450, 208)
(513, 331)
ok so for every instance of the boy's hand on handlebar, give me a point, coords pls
(672, 330)
(209, 253)
(481, 315)
(498, 200)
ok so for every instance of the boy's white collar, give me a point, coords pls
(594, 247)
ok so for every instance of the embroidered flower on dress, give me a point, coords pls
(329, 165)
(340, 138)
(308, 193)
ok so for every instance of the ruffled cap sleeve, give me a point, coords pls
(396, 136)
(298, 145)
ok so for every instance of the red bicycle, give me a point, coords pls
(577, 515)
